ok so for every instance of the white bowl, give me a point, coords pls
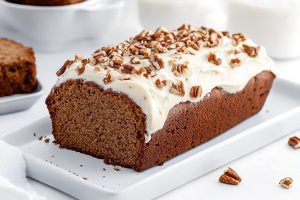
(50, 28)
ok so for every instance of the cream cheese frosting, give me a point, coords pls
(175, 75)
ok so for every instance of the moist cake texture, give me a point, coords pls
(148, 99)
(17, 68)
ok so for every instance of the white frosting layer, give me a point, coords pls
(157, 102)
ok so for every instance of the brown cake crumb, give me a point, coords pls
(47, 140)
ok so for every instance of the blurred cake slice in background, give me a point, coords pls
(17, 68)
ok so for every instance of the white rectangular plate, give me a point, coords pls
(19, 102)
(64, 169)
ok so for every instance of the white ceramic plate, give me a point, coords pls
(19, 102)
(65, 170)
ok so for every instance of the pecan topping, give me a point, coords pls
(80, 70)
(235, 62)
(286, 182)
(196, 91)
(178, 89)
(160, 84)
(230, 177)
(117, 62)
(238, 38)
(194, 46)
(144, 53)
(135, 60)
(294, 142)
(251, 51)
(156, 61)
(212, 58)
(180, 69)
(85, 61)
(122, 78)
(64, 67)
(108, 78)
(128, 69)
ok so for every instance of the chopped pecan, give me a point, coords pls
(64, 67)
(80, 70)
(108, 78)
(135, 60)
(160, 84)
(286, 182)
(294, 142)
(251, 51)
(178, 89)
(179, 69)
(156, 61)
(117, 62)
(235, 62)
(144, 53)
(238, 38)
(212, 58)
(230, 177)
(128, 69)
(196, 91)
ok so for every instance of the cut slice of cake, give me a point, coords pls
(144, 101)
(17, 68)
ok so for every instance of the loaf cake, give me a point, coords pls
(17, 68)
(142, 102)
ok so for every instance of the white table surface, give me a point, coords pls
(261, 171)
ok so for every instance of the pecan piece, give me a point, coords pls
(128, 69)
(135, 60)
(178, 89)
(156, 61)
(160, 84)
(64, 67)
(286, 182)
(80, 70)
(235, 62)
(196, 91)
(230, 177)
(294, 142)
(238, 38)
(251, 51)
(108, 78)
(180, 69)
(212, 58)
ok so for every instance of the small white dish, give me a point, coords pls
(19, 102)
(84, 177)
(48, 28)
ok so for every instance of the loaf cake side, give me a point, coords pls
(17, 68)
(178, 89)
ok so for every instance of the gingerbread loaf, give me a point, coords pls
(17, 68)
(144, 101)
